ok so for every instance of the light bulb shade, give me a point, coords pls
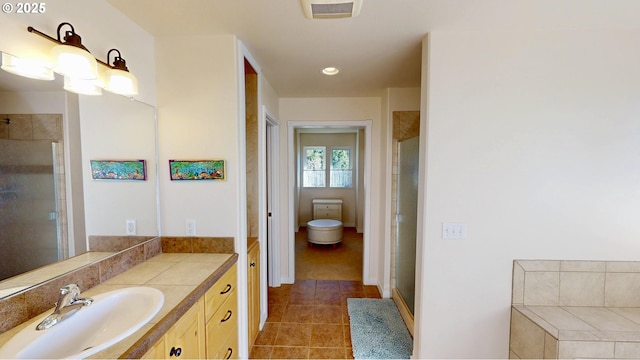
(29, 68)
(74, 62)
(82, 86)
(121, 82)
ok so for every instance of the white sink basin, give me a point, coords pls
(112, 317)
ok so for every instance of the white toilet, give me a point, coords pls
(326, 228)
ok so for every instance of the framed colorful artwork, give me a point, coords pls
(118, 169)
(197, 169)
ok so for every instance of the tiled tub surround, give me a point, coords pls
(575, 309)
(18, 308)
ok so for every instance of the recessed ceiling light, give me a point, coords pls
(330, 70)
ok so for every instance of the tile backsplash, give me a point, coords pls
(25, 305)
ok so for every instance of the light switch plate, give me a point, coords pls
(454, 231)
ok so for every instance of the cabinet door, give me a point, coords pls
(158, 351)
(185, 339)
(253, 275)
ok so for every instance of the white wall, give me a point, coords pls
(403, 99)
(116, 128)
(32, 102)
(533, 142)
(327, 110)
(198, 120)
(269, 98)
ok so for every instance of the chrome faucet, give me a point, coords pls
(67, 305)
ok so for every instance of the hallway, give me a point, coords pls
(309, 319)
(324, 262)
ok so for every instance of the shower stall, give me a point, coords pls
(406, 145)
(30, 234)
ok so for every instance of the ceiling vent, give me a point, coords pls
(331, 9)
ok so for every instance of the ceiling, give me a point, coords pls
(379, 48)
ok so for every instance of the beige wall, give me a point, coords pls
(116, 128)
(532, 141)
(198, 118)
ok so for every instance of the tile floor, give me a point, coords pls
(309, 320)
(324, 262)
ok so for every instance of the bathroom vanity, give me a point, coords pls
(575, 309)
(198, 318)
(209, 329)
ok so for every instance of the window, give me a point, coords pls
(314, 166)
(315, 173)
(341, 172)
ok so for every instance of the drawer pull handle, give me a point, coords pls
(227, 317)
(252, 264)
(229, 351)
(226, 289)
(175, 351)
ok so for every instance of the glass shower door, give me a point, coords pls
(407, 219)
(28, 206)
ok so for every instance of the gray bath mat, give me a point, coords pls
(377, 330)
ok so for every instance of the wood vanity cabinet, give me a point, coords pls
(253, 292)
(221, 309)
(158, 351)
(209, 329)
(185, 339)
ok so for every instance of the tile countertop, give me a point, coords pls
(584, 323)
(182, 277)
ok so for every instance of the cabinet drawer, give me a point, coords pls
(328, 214)
(327, 211)
(222, 326)
(227, 349)
(220, 292)
(327, 207)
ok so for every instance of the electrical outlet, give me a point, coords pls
(131, 226)
(191, 227)
(454, 231)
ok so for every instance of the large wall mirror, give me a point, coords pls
(51, 203)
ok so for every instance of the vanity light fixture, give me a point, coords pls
(330, 70)
(70, 57)
(82, 86)
(118, 79)
(80, 69)
(29, 68)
